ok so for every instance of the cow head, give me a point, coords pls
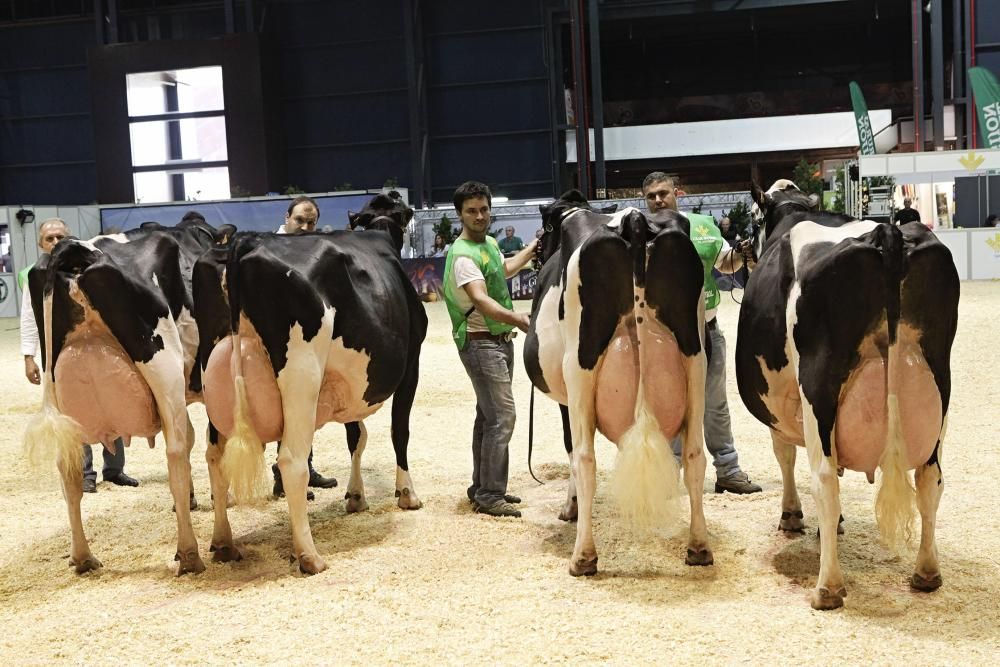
(770, 207)
(385, 212)
(553, 215)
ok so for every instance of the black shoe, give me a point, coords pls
(121, 479)
(513, 500)
(279, 488)
(89, 485)
(738, 482)
(500, 508)
(317, 480)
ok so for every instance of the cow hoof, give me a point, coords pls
(355, 502)
(569, 512)
(86, 565)
(311, 564)
(791, 522)
(840, 527)
(189, 562)
(696, 557)
(225, 553)
(408, 500)
(583, 567)
(823, 599)
(925, 584)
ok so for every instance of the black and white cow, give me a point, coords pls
(616, 339)
(384, 212)
(118, 346)
(844, 347)
(329, 328)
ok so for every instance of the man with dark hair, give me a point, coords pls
(907, 214)
(482, 320)
(660, 193)
(302, 215)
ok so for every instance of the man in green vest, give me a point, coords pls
(482, 324)
(661, 194)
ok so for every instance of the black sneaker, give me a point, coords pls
(89, 485)
(121, 479)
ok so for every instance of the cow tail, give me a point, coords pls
(242, 460)
(646, 482)
(51, 434)
(895, 499)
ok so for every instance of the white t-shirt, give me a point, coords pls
(463, 272)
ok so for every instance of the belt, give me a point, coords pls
(712, 324)
(486, 335)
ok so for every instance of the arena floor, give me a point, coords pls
(444, 585)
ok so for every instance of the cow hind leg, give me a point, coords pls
(402, 402)
(791, 506)
(81, 560)
(179, 478)
(583, 423)
(830, 590)
(570, 511)
(357, 438)
(223, 547)
(693, 455)
(930, 485)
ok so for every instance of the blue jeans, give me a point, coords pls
(718, 431)
(490, 365)
(113, 463)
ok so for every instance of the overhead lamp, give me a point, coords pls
(25, 217)
(500, 200)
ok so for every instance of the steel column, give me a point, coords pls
(937, 74)
(580, 97)
(597, 100)
(958, 74)
(917, 53)
(420, 191)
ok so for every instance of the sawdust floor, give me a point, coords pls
(444, 585)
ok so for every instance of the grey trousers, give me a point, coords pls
(114, 464)
(718, 430)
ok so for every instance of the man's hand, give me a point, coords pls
(523, 321)
(31, 370)
(745, 248)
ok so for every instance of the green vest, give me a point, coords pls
(707, 241)
(22, 276)
(487, 257)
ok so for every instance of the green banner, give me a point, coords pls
(866, 139)
(986, 92)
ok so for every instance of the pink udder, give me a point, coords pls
(99, 386)
(262, 389)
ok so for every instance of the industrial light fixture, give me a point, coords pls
(25, 217)
(500, 200)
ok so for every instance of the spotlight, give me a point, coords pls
(25, 217)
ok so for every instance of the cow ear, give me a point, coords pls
(544, 210)
(352, 218)
(814, 201)
(408, 215)
(760, 197)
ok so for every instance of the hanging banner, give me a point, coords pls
(866, 139)
(986, 92)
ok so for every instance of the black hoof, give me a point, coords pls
(585, 567)
(225, 554)
(699, 557)
(791, 522)
(927, 585)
